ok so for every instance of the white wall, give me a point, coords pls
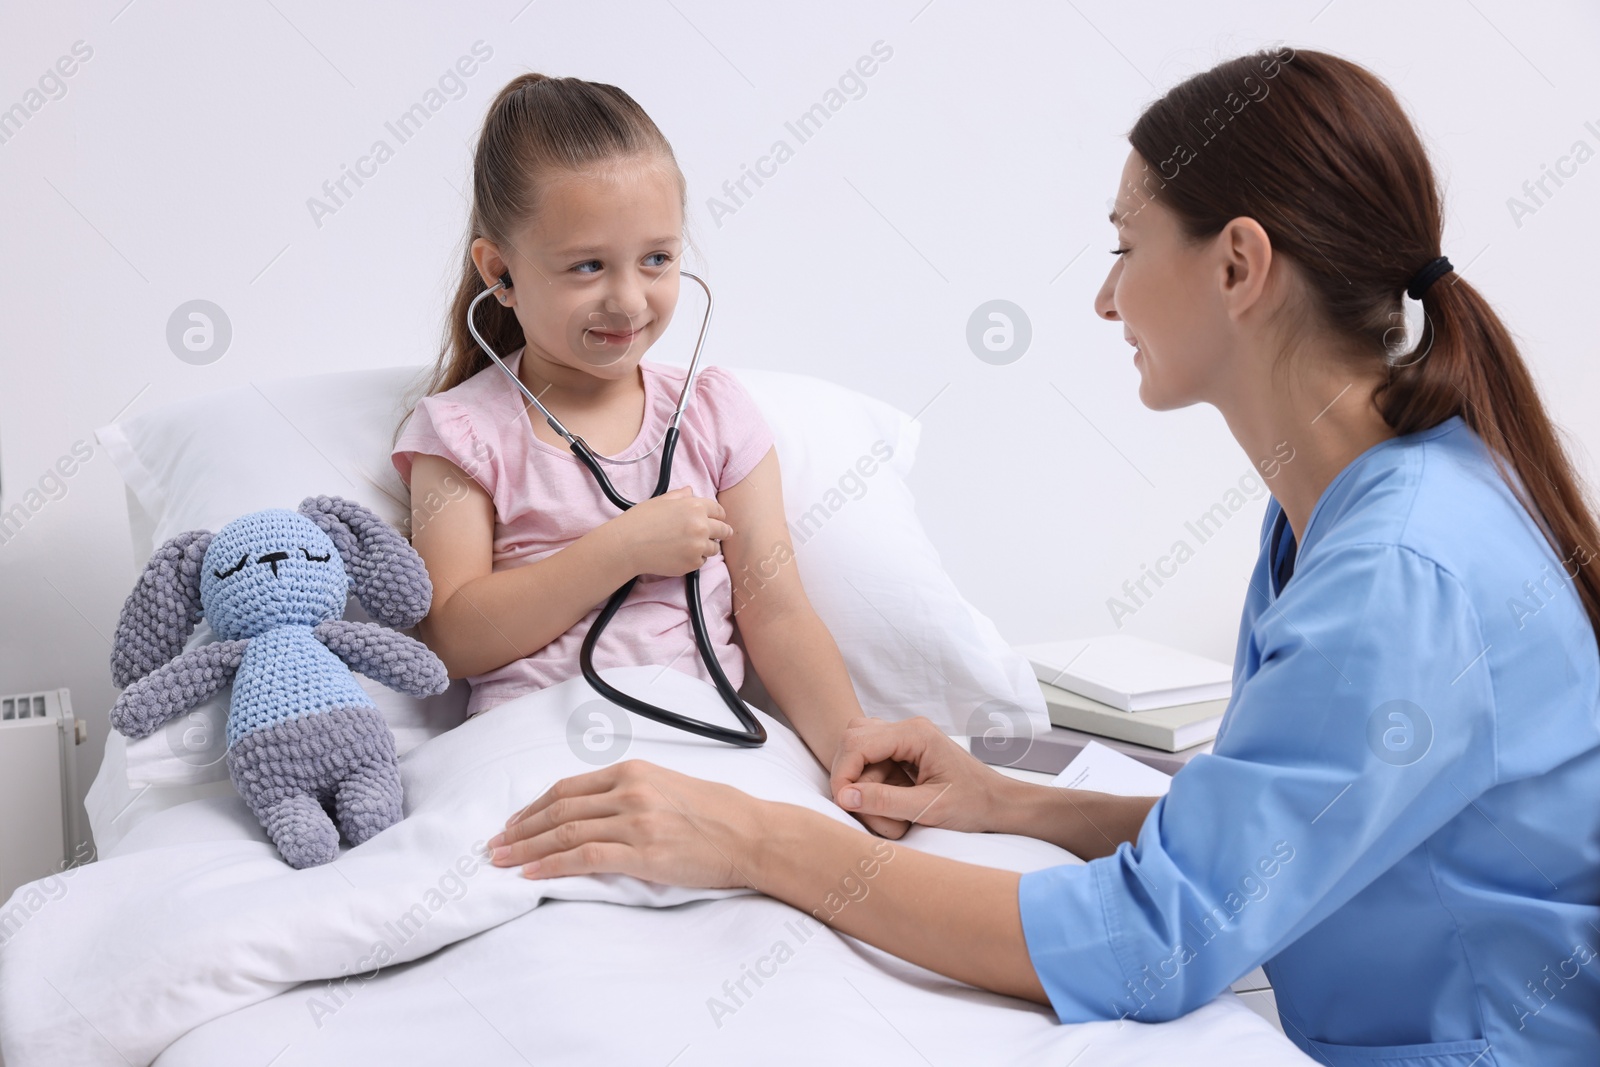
(977, 165)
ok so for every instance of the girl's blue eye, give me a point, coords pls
(595, 263)
(662, 256)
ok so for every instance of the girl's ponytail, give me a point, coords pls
(497, 322)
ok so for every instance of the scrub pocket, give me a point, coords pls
(1474, 1053)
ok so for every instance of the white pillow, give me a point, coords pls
(199, 463)
(912, 644)
(911, 641)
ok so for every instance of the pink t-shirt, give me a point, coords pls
(545, 499)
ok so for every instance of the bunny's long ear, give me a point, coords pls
(390, 578)
(162, 611)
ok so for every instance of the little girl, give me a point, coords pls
(578, 195)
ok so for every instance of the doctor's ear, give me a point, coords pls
(1246, 256)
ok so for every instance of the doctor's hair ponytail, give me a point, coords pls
(1317, 150)
(536, 125)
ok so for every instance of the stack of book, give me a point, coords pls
(1132, 690)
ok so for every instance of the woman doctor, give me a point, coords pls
(1400, 818)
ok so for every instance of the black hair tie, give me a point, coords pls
(1425, 277)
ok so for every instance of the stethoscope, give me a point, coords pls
(754, 734)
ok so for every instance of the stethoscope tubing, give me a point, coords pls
(754, 734)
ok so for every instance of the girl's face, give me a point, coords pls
(595, 274)
(1165, 292)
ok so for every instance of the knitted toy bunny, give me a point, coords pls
(302, 733)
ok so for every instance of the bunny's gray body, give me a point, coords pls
(304, 738)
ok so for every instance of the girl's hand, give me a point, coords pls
(672, 534)
(953, 789)
(634, 818)
(891, 774)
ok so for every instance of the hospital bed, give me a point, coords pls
(189, 941)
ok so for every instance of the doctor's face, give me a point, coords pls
(1164, 290)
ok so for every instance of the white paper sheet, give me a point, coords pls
(1105, 770)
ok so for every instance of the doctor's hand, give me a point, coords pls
(634, 818)
(952, 789)
(889, 774)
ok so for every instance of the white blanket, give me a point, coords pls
(199, 917)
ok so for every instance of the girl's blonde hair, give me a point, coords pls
(536, 125)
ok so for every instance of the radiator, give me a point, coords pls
(41, 820)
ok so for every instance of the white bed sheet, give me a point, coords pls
(582, 983)
(191, 943)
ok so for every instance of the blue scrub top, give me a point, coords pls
(1400, 817)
